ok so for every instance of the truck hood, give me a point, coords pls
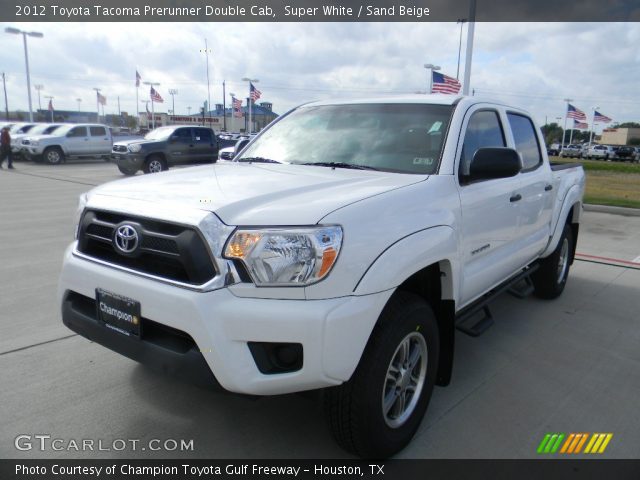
(133, 140)
(258, 194)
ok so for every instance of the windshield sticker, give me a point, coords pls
(423, 161)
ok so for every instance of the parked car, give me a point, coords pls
(553, 149)
(70, 141)
(571, 151)
(340, 251)
(165, 147)
(625, 153)
(602, 152)
(637, 157)
(20, 141)
(229, 153)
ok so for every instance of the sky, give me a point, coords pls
(529, 65)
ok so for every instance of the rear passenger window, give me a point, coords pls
(203, 135)
(483, 130)
(524, 134)
(77, 132)
(97, 131)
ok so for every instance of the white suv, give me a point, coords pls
(603, 152)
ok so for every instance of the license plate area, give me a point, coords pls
(119, 313)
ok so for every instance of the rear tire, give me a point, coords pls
(155, 164)
(378, 411)
(551, 277)
(53, 155)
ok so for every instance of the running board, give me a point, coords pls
(476, 319)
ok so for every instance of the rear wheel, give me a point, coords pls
(551, 277)
(377, 412)
(155, 164)
(53, 155)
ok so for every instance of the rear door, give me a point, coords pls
(77, 141)
(100, 140)
(489, 211)
(205, 146)
(536, 189)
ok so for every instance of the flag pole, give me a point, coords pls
(593, 125)
(250, 109)
(564, 130)
(571, 134)
(469, 53)
(137, 108)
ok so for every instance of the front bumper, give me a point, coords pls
(333, 332)
(128, 160)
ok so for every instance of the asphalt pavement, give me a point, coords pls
(569, 365)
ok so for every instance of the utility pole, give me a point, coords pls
(6, 103)
(224, 107)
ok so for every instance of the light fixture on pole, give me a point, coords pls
(50, 105)
(461, 21)
(206, 51)
(173, 92)
(564, 129)
(153, 112)
(79, 100)
(593, 124)
(251, 81)
(38, 88)
(189, 110)
(17, 31)
(430, 69)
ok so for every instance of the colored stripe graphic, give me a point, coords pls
(574, 443)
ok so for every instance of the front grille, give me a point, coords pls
(119, 148)
(173, 252)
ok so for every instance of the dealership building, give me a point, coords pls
(619, 136)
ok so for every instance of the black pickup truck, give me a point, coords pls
(165, 147)
(625, 153)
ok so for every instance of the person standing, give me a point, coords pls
(5, 147)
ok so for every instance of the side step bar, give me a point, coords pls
(476, 319)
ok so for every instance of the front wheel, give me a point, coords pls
(551, 277)
(378, 411)
(127, 171)
(53, 155)
(155, 164)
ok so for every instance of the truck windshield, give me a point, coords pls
(395, 137)
(161, 133)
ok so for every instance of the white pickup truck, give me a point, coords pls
(341, 250)
(69, 141)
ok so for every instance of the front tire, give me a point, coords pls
(127, 171)
(155, 164)
(551, 277)
(53, 155)
(378, 411)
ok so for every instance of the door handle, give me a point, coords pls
(515, 198)
(548, 188)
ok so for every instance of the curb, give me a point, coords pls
(627, 212)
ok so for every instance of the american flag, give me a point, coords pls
(138, 78)
(237, 106)
(102, 100)
(445, 84)
(575, 113)
(254, 93)
(580, 125)
(50, 105)
(155, 96)
(598, 117)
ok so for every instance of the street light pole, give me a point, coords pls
(469, 53)
(26, 59)
(430, 69)
(78, 100)
(173, 92)
(38, 88)
(251, 81)
(153, 111)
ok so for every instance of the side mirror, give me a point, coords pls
(491, 163)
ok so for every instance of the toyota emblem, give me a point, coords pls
(126, 239)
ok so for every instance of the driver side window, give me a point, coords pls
(483, 130)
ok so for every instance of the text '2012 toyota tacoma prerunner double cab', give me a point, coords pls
(340, 251)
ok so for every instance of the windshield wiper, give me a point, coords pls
(257, 160)
(354, 166)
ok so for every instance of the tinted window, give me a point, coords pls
(203, 135)
(183, 134)
(483, 130)
(524, 135)
(97, 131)
(77, 132)
(393, 137)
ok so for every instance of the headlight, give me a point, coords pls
(134, 148)
(279, 257)
(82, 202)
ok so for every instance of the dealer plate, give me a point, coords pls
(118, 313)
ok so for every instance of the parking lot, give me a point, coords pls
(569, 365)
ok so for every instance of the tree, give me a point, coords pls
(552, 132)
(626, 125)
